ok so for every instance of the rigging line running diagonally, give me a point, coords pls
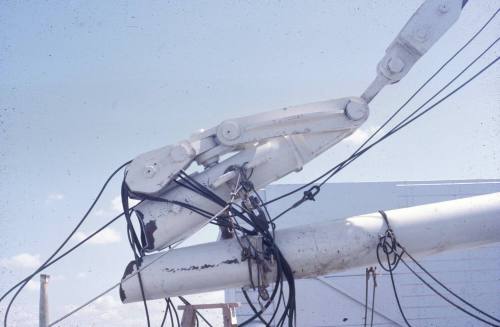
(413, 113)
(67, 252)
(56, 259)
(131, 275)
(66, 240)
(408, 120)
(134, 243)
(185, 301)
(167, 313)
(461, 299)
(394, 252)
(393, 115)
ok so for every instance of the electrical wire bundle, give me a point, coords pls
(134, 242)
(250, 218)
(139, 244)
(170, 310)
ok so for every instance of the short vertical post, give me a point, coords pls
(189, 316)
(44, 301)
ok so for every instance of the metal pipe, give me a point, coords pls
(321, 248)
(44, 301)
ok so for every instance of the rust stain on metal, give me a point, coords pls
(149, 229)
(123, 297)
(205, 266)
(230, 261)
(128, 270)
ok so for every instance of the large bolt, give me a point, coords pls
(150, 171)
(443, 8)
(356, 111)
(395, 65)
(421, 34)
(230, 130)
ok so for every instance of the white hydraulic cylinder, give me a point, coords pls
(318, 249)
(268, 160)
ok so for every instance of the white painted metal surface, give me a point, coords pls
(425, 27)
(272, 158)
(321, 248)
(338, 299)
(271, 144)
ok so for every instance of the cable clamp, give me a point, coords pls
(309, 195)
(389, 246)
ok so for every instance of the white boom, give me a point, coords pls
(321, 248)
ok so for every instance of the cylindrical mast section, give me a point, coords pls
(321, 248)
(44, 301)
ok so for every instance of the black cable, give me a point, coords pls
(63, 243)
(391, 247)
(168, 313)
(277, 285)
(167, 309)
(400, 125)
(191, 207)
(135, 244)
(445, 298)
(403, 124)
(176, 314)
(258, 313)
(430, 79)
(62, 255)
(186, 302)
(373, 299)
(188, 182)
(391, 117)
(449, 290)
(255, 219)
(369, 271)
(396, 292)
(284, 269)
(366, 297)
(447, 84)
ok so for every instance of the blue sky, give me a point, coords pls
(86, 86)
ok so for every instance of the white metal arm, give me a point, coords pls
(321, 248)
(151, 172)
(271, 144)
(431, 20)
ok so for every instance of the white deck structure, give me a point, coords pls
(338, 299)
